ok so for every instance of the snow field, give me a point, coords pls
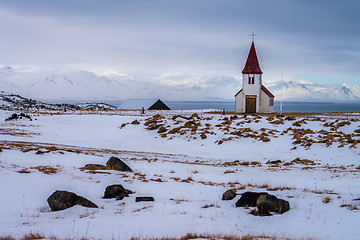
(186, 177)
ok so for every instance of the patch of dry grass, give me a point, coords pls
(142, 209)
(326, 199)
(255, 212)
(210, 206)
(216, 236)
(94, 167)
(24, 170)
(300, 161)
(178, 201)
(242, 163)
(17, 132)
(350, 206)
(47, 169)
(29, 236)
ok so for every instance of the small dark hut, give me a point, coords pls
(147, 104)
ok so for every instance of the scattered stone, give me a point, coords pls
(41, 152)
(61, 200)
(116, 191)
(228, 195)
(115, 163)
(15, 116)
(144, 199)
(269, 203)
(274, 162)
(249, 199)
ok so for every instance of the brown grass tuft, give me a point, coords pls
(300, 161)
(350, 206)
(46, 169)
(31, 236)
(326, 199)
(24, 170)
(210, 205)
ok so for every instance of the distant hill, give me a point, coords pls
(10, 101)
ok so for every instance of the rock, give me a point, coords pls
(61, 200)
(274, 162)
(249, 199)
(115, 163)
(116, 191)
(228, 195)
(41, 152)
(15, 116)
(144, 199)
(269, 203)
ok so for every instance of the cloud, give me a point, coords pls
(298, 38)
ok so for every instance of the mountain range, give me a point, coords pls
(84, 85)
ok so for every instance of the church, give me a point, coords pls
(253, 97)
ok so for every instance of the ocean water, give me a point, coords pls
(311, 107)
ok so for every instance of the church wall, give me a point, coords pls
(252, 89)
(239, 103)
(265, 103)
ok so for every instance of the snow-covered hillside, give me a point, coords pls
(10, 101)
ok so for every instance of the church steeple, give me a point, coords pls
(252, 64)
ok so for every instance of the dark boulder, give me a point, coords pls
(275, 162)
(228, 195)
(144, 199)
(249, 199)
(15, 116)
(41, 152)
(116, 191)
(61, 200)
(115, 163)
(269, 203)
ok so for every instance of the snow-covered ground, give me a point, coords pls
(186, 166)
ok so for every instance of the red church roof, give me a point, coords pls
(252, 63)
(267, 91)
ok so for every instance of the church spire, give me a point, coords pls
(252, 63)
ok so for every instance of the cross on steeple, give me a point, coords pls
(252, 35)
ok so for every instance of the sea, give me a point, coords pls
(303, 107)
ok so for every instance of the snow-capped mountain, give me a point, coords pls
(306, 91)
(86, 85)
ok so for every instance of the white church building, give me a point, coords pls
(253, 97)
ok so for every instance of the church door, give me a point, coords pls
(250, 106)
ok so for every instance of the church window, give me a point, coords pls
(271, 101)
(251, 80)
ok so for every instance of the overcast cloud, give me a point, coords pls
(317, 41)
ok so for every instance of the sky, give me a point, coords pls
(315, 41)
